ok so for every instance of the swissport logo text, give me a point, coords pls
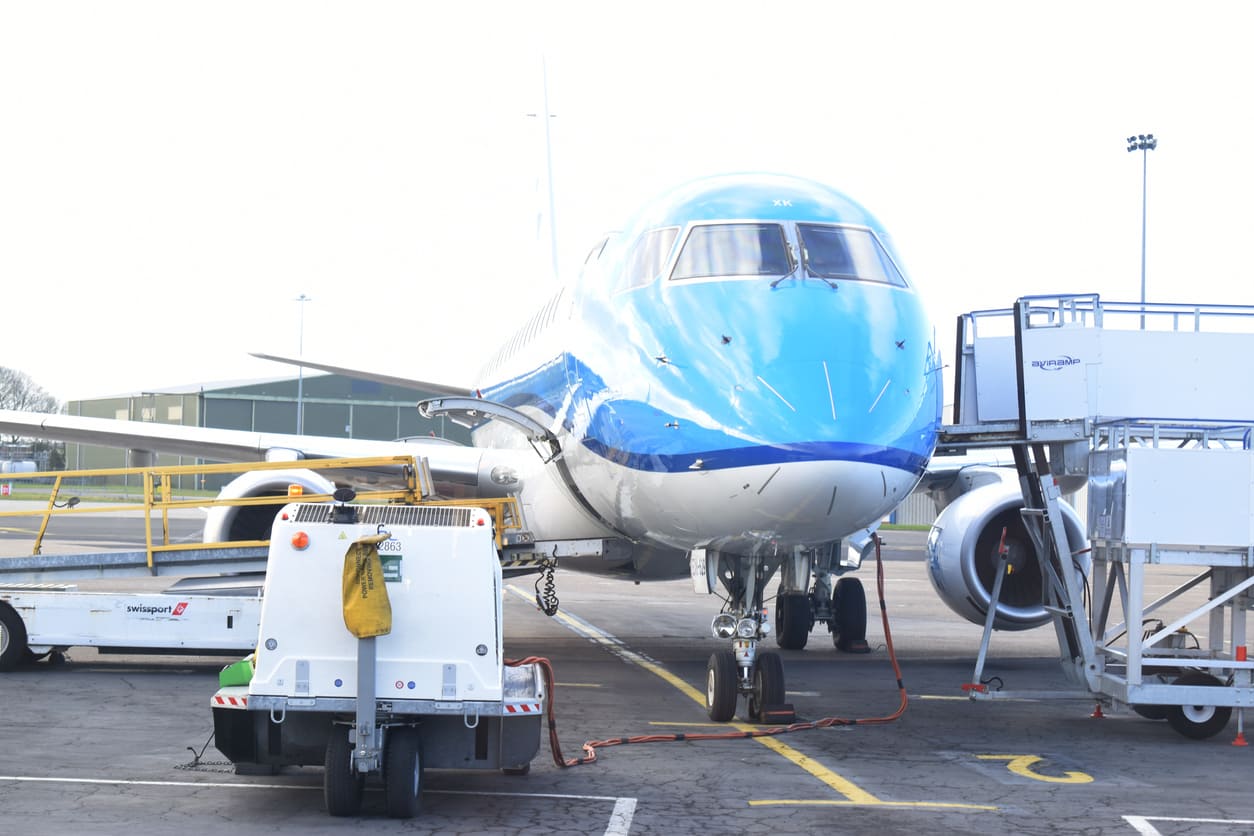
(1058, 363)
(153, 611)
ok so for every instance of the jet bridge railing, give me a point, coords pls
(1050, 367)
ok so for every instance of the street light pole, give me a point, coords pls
(300, 369)
(1143, 143)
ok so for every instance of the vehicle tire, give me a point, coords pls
(1198, 721)
(402, 772)
(341, 786)
(849, 619)
(721, 688)
(792, 620)
(1146, 710)
(1152, 712)
(13, 650)
(768, 683)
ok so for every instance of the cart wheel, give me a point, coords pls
(341, 785)
(525, 769)
(1198, 721)
(720, 686)
(402, 772)
(1154, 712)
(12, 638)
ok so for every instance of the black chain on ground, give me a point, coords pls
(198, 765)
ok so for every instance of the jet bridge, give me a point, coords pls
(1138, 402)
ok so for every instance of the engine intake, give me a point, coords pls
(962, 552)
(226, 523)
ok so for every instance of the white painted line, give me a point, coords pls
(620, 819)
(119, 782)
(1142, 823)
(831, 399)
(776, 393)
(619, 824)
(880, 395)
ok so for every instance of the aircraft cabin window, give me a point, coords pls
(840, 252)
(649, 255)
(749, 249)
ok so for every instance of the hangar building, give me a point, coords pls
(334, 405)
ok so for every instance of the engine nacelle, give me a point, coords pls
(253, 522)
(962, 554)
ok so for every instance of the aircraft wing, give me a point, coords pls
(361, 374)
(450, 463)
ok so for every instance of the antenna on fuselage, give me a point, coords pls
(548, 161)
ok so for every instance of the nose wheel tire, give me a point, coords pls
(721, 687)
(768, 684)
(1198, 721)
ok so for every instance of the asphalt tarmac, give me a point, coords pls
(117, 744)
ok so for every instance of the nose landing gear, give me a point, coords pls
(743, 669)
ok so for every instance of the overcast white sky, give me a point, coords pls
(173, 175)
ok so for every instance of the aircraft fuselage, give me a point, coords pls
(745, 367)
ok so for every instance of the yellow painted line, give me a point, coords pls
(802, 802)
(854, 794)
(935, 697)
(1022, 765)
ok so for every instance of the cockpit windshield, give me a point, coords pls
(841, 252)
(739, 249)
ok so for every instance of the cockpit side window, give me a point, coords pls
(841, 252)
(649, 255)
(741, 249)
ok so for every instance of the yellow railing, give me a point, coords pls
(411, 474)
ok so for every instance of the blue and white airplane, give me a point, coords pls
(741, 384)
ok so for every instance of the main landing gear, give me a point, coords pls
(757, 674)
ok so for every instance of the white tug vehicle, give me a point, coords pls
(380, 652)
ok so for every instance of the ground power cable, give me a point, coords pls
(591, 746)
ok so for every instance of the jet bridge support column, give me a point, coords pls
(1061, 583)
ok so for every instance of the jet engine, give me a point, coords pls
(962, 554)
(252, 522)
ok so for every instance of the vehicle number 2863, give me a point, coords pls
(392, 546)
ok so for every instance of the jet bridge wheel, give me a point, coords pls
(721, 686)
(849, 621)
(1146, 710)
(793, 620)
(768, 684)
(12, 638)
(1198, 721)
(402, 772)
(341, 785)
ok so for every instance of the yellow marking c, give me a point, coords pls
(1022, 765)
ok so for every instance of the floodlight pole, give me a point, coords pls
(1143, 143)
(300, 369)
